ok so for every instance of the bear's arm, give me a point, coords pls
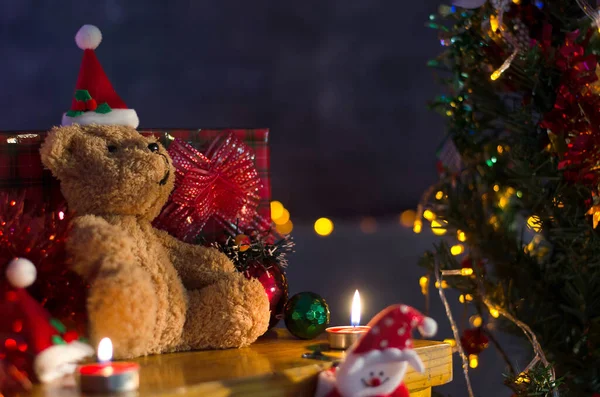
(94, 243)
(198, 266)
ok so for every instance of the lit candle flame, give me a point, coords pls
(105, 350)
(355, 313)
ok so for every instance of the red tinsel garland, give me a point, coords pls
(39, 235)
(575, 119)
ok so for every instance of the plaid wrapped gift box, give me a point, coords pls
(21, 170)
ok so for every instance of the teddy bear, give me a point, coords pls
(149, 292)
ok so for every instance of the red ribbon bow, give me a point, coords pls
(219, 187)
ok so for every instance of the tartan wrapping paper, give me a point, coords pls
(21, 168)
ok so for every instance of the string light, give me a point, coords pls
(424, 283)
(457, 249)
(534, 222)
(494, 312)
(473, 361)
(476, 320)
(323, 226)
(429, 215)
(437, 228)
(461, 236)
(499, 149)
(454, 327)
(451, 342)
(439, 195)
(498, 72)
(465, 271)
(496, 188)
(444, 284)
(522, 378)
(417, 226)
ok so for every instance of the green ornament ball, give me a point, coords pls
(306, 315)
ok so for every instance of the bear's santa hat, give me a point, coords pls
(95, 100)
(390, 339)
(56, 355)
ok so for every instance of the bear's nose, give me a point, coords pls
(153, 147)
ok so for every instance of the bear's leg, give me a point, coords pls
(232, 312)
(122, 306)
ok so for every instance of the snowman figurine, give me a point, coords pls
(376, 364)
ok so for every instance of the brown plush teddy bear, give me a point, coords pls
(150, 293)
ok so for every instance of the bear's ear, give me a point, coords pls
(56, 151)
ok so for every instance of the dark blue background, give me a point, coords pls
(341, 83)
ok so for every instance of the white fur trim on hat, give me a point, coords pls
(88, 37)
(60, 360)
(21, 273)
(126, 117)
(355, 362)
(429, 327)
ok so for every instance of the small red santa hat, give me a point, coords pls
(390, 338)
(95, 100)
(55, 354)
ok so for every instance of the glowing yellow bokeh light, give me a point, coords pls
(461, 236)
(276, 210)
(323, 226)
(469, 298)
(451, 342)
(429, 215)
(438, 228)
(407, 218)
(466, 271)
(457, 249)
(444, 284)
(503, 202)
(534, 223)
(286, 228)
(493, 23)
(418, 225)
(461, 298)
(500, 149)
(494, 312)
(439, 195)
(424, 283)
(368, 225)
(473, 361)
(496, 188)
(495, 75)
(283, 219)
(476, 320)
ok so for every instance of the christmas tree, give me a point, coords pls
(518, 194)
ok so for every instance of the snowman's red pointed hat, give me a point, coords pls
(55, 356)
(95, 101)
(390, 339)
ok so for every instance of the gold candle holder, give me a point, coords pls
(341, 338)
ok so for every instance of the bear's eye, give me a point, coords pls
(111, 148)
(371, 373)
(381, 373)
(153, 147)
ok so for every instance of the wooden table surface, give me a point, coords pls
(273, 366)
